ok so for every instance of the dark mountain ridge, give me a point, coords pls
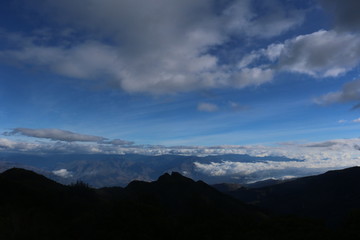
(328, 196)
(172, 207)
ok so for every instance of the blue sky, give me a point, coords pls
(193, 73)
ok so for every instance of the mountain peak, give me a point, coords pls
(173, 177)
(19, 173)
(29, 178)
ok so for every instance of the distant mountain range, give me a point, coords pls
(100, 170)
(176, 207)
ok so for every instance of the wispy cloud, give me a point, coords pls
(55, 135)
(207, 107)
(356, 120)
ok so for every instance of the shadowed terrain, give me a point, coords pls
(328, 196)
(172, 207)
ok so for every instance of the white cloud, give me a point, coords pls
(207, 107)
(156, 46)
(252, 77)
(62, 173)
(315, 157)
(319, 54)
(308, 158)
(356, 120)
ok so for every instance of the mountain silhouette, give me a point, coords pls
(172, 207)
(182, 195)
(30, 179)
(329, 196)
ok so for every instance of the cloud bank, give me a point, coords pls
(307, 157)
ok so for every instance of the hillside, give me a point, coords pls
(328, 196)
(172, 207)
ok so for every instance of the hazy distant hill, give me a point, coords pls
(101, 170)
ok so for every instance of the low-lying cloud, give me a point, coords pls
(307, 157)
(62, 173)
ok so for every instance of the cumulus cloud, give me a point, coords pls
(350, 92)
(319, 54)
(55, 135)
(165, 46)
(207, 107)
(322, 54)
(156, 46)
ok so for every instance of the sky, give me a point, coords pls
(167, 76)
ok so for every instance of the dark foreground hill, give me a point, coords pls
(173, 207)
(330, 196)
